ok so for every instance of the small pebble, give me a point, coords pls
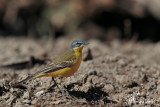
(39, 93)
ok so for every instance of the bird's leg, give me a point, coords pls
(55, 82)
(63, 91)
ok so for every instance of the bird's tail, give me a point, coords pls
(36, 75)
(19, 83)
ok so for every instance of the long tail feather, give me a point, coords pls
(28, 78)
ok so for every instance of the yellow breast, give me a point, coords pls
(76, 63)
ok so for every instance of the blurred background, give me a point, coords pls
(99, 19)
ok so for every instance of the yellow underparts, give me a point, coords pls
(68, 71)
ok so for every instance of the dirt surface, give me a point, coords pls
(112, 74)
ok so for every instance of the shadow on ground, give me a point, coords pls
(93, 94)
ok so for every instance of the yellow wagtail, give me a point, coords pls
(63, 66)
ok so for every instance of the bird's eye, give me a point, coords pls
(79, 44)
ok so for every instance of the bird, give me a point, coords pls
(63, 66)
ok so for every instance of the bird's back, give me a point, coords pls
(67, 56)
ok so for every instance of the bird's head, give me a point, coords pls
(78, 44)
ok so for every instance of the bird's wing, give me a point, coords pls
(54, 67)
(66, 60)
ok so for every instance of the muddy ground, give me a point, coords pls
(115, 73)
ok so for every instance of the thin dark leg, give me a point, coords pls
(55, 82)
(62, 91)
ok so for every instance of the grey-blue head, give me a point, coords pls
(77, 43)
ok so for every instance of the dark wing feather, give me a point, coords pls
(58, 66)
